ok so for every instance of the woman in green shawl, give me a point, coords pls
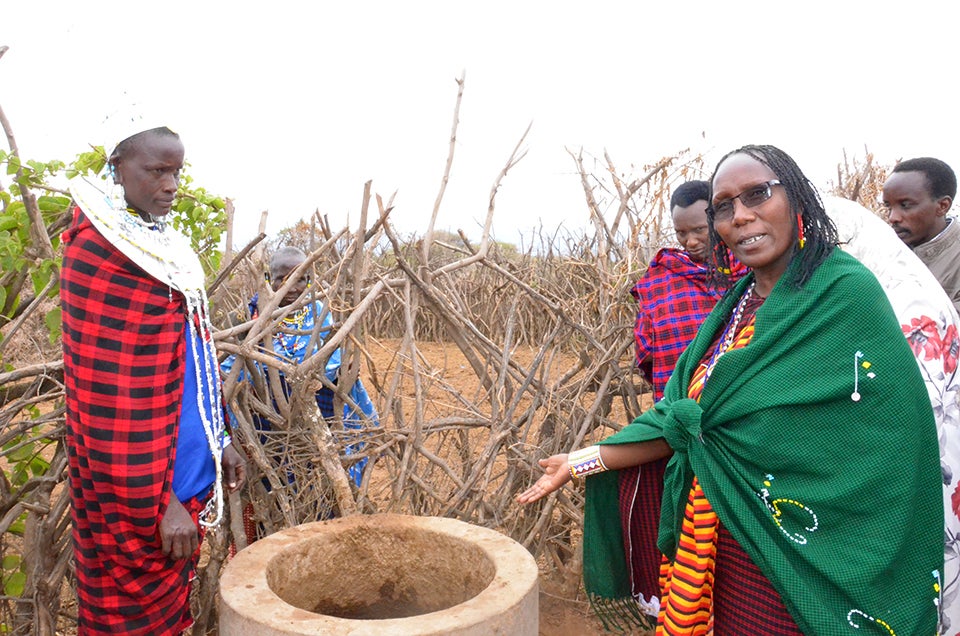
(803, 491)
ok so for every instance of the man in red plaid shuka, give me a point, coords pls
(146, 435)
(674, 296)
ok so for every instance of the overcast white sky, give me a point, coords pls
(292, 106)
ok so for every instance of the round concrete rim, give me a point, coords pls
(244, 588)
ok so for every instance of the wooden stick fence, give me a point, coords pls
(544, 336)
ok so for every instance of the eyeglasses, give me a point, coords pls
(751, 198)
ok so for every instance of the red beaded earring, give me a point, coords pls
(800, 230)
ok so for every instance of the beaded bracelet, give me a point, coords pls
(585, 461)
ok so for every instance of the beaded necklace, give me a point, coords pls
(289, 341)
(167, 256)
(730, 333)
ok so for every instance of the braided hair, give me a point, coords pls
(820, 234)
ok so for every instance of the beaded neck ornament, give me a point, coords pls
(289, 337)
(726, 341)
(167, 256)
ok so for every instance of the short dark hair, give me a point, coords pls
(283, 256)
(941, 179)
(689, 193)
(125, 145)
(820, 234)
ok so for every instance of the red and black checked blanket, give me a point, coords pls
(123, 350)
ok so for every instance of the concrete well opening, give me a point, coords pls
(381, 574)
(375, 572)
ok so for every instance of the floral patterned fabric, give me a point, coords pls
(930, 324)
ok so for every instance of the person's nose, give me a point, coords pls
(893, 216)
(741, 213)
(169, 182)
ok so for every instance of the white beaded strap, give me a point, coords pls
(208, 384)
(585, 461)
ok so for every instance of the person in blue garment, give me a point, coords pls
(292, 343)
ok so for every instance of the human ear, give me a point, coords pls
(943, 205)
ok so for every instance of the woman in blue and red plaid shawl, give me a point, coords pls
(145, 426)
(674, 297)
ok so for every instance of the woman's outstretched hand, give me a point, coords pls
(556, 472)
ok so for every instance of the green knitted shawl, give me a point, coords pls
(837, 500)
